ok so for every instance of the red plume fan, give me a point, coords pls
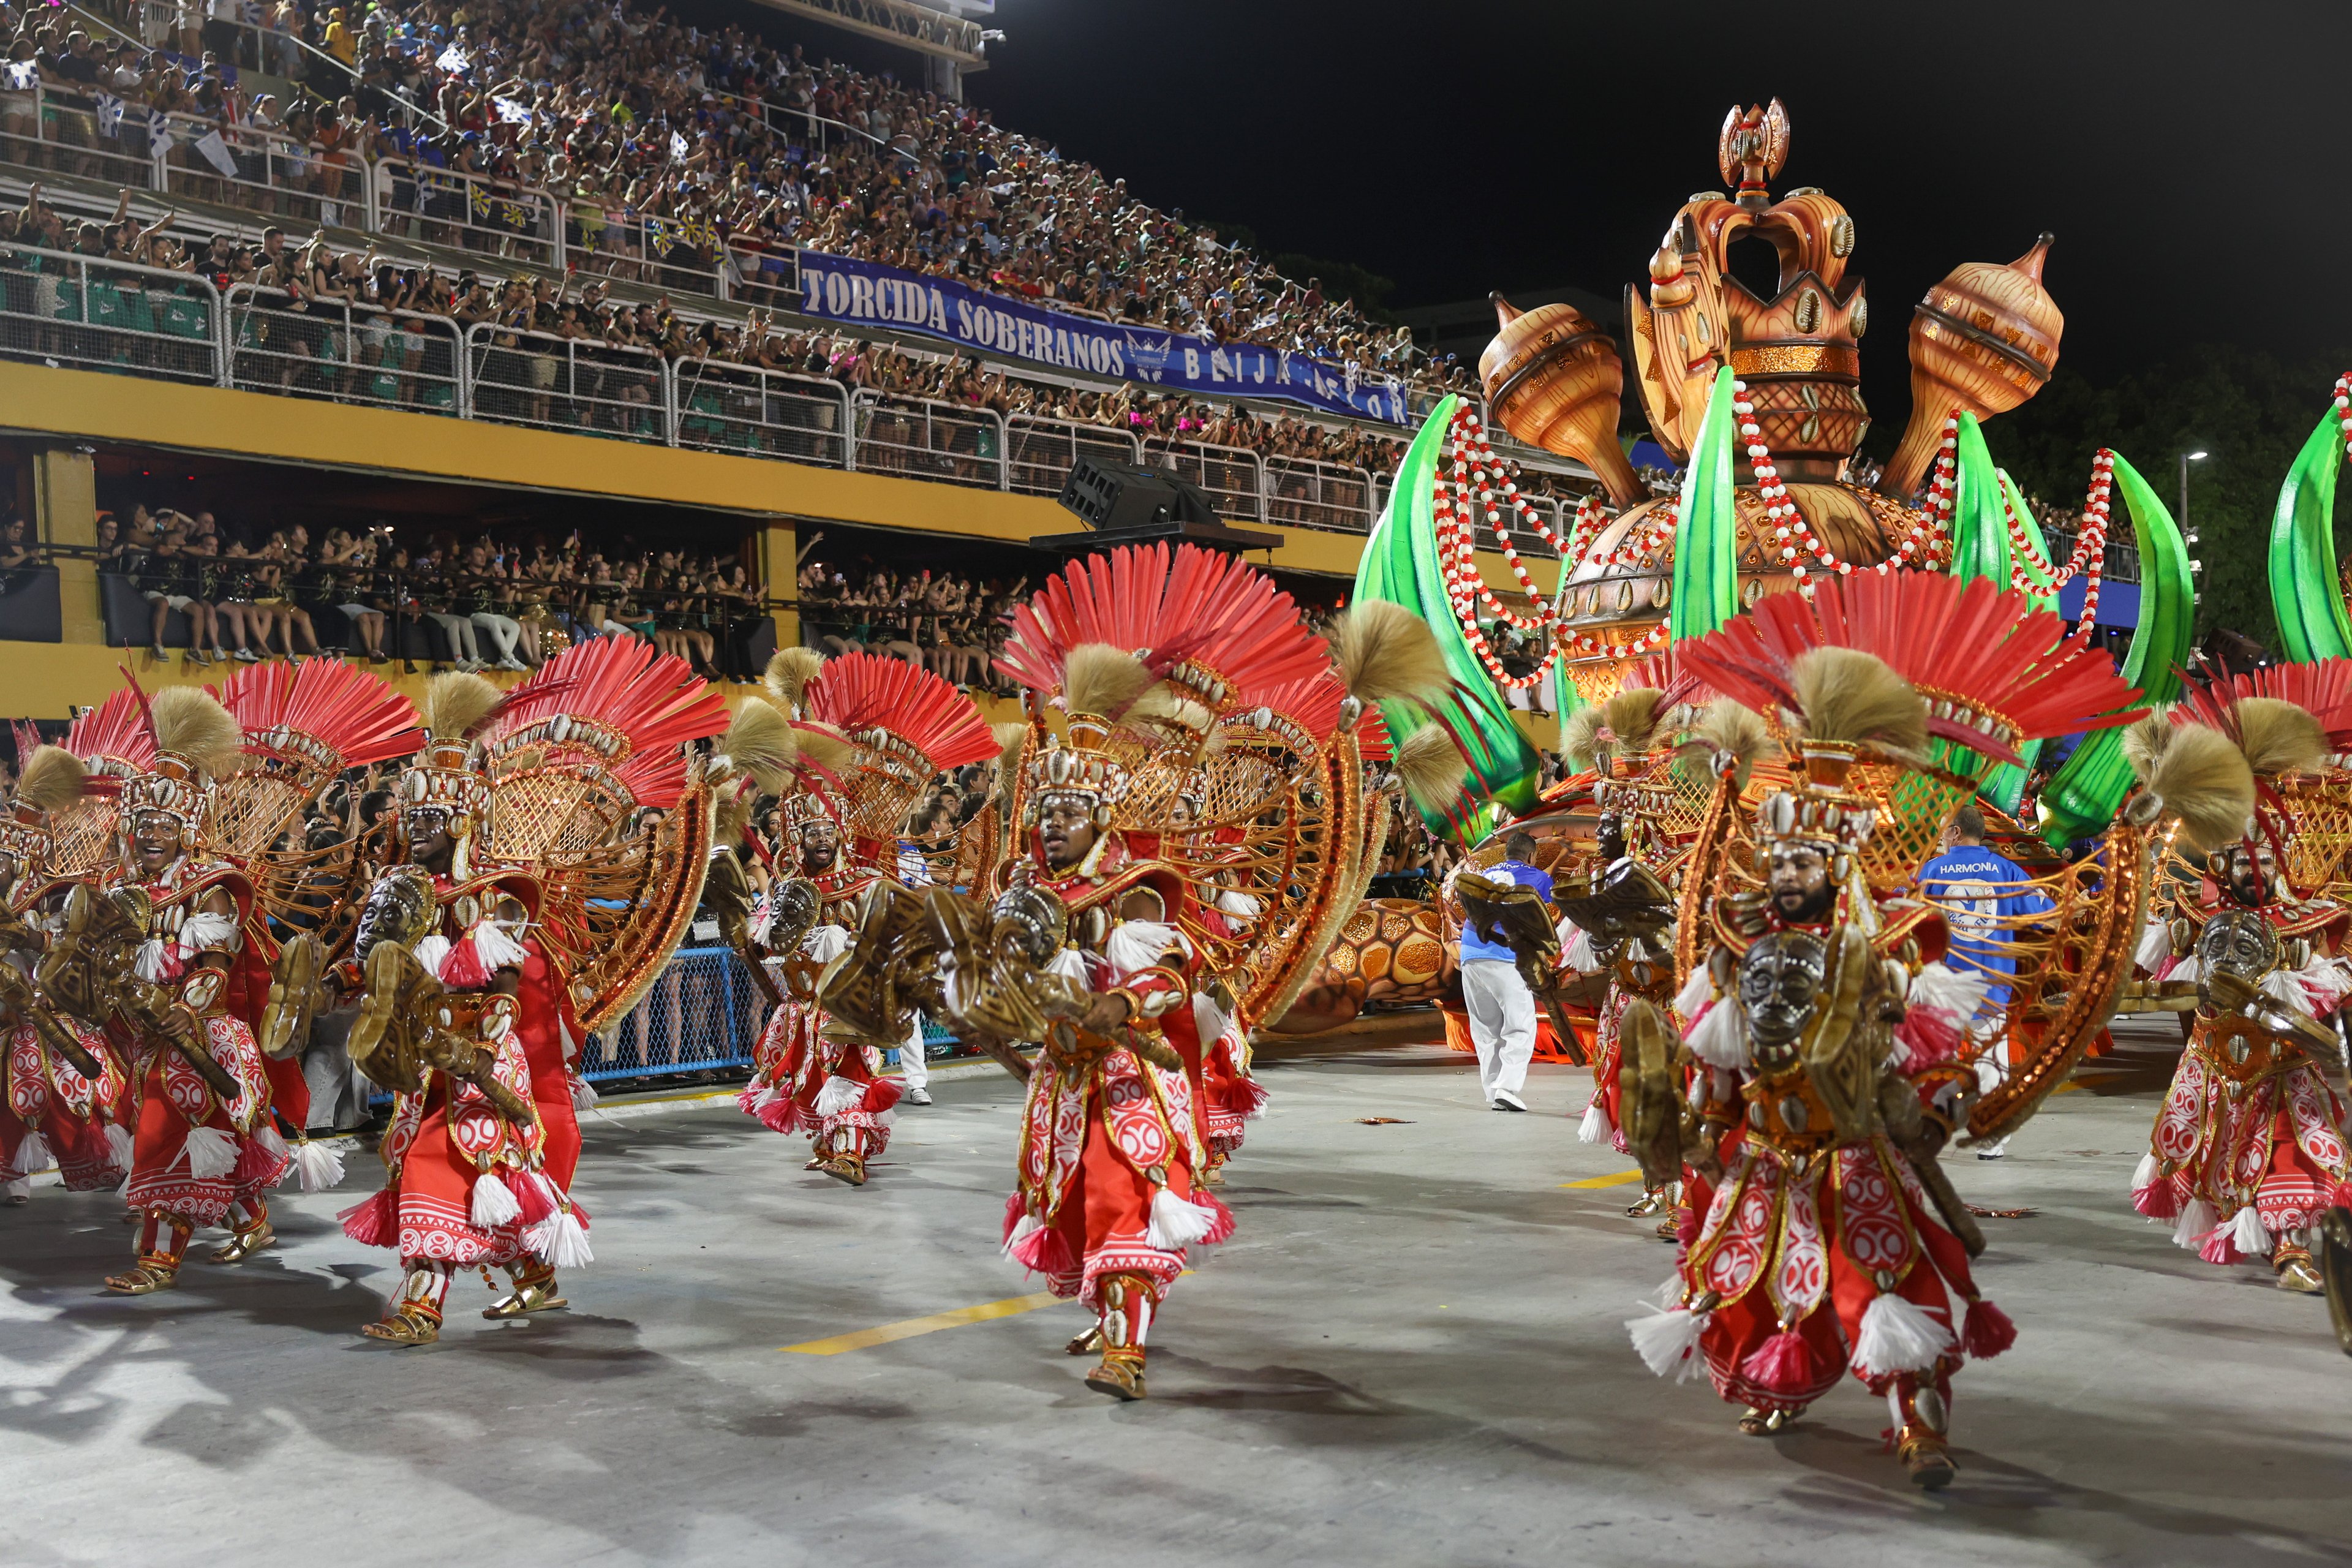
(2322, 688)
(1167, 607)
(858, 692)
(115, 736)
(1312, 704)
(655, 778)
(651, 699)
(353, 713)
(1667, 674)
(1994, 670)
(1372, 737)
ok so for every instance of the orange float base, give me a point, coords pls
(1458, 1033)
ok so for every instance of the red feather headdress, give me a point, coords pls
(115, 737)
(891, 705)
(323, 716)
(611, 698)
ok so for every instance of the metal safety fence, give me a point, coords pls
(703, 1013)
(66, 309)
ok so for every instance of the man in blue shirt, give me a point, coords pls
(1984, 895)
(1502, 1010)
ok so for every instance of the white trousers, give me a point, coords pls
(1502, 1022)
(911, 1068)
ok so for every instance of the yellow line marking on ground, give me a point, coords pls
(986, 1311)
(1618, 1179)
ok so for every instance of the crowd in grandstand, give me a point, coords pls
(468, 602)
(673, 151)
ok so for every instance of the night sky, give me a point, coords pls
(2191, 159)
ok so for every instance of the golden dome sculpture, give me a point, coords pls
(1984, 340)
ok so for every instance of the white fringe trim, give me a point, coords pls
(1595, 1127)
(210, 1152)
(561, 1239)
(2155, 945)
(1898, 1335)
(1667, 1339)
(1176, 1224)
(1027, 1225)
(1695, 992)
(2195, 1223)
(839, 1095)
(494, 1203)
(1720, 1038)
(317, 1166)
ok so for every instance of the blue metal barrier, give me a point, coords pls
(704, 1012)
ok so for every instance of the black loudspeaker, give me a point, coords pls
(1120, 498)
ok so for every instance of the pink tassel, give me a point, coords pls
(1221, 1226)
(1044, 1251)
(464, 970)
(1986, 1332)
(536, 1194)
(1253, 1098)
(1686, 1225)
(1783, 1364)
(1927, 1040)
(779, 1115)
(376, 1222)
(2158, 1200)
(2216, 1247)
(2342, 1199)
(881, 1095)
(1015, 1205)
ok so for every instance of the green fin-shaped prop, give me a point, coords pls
(2083, 795)
(2305, 593)
(1399, 564)
(1980, 548)
(1706, 527)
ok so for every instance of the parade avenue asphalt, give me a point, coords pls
(1413, 1352)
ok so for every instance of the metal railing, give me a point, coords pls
(1040, 451)
(275, 173)
(1232, 475)
(87, 313)
(346, 353)
(761, 413)
(1308, 494)
(2120, 559)
(924, 439)
(575, 385)
(408, 200)
(57, 128)
(702, 1013)
(84, 312)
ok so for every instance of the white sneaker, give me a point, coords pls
(1506, 1101)
(1994, 1150)
(512, 664)
(919, 1097)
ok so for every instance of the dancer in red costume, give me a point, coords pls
(65, 1100)
(2250, 1146)
(1826, 1048)
(467, 966)
(874, 733)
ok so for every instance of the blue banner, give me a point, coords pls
(861, 293)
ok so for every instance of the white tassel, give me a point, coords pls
(1241, 906)
(496, 948)
(2195, 1223)
(1176, 1224)
(151, 961)
(432, 952)
(1668, 1294)
(121, 1145)
(2189, 971)
(317, 1166)
(1579, 954)
(211, 1153)
(1898, 1335)
(2155, 945)
(827, 943)
(1594, 1128)
(32, 1155)
(2286, 985)
(1027, 1225)
(494, 1203)
(583, 1095)
(270, 1141)
(766, 1097)
(2144, 1176)
(839, 1095)
(1069, 963)
(561, 1239)
(1667, 1341)
(2247, 1235)
(1954, 993)
(1718, 1038)
(1695, 992)
(1140, 944)
(1209, 1018)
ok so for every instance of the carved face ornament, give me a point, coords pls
(1779, 987)
(2239, 942)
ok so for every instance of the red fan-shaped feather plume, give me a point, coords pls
(116, 731)
(1995, 670)
(653, 698)
(2322, 688)
(655, 777)
(1373, 736)
(352, 713)
(1667, 673)
(861, 691)
(1167, 607)
(1312, 704)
